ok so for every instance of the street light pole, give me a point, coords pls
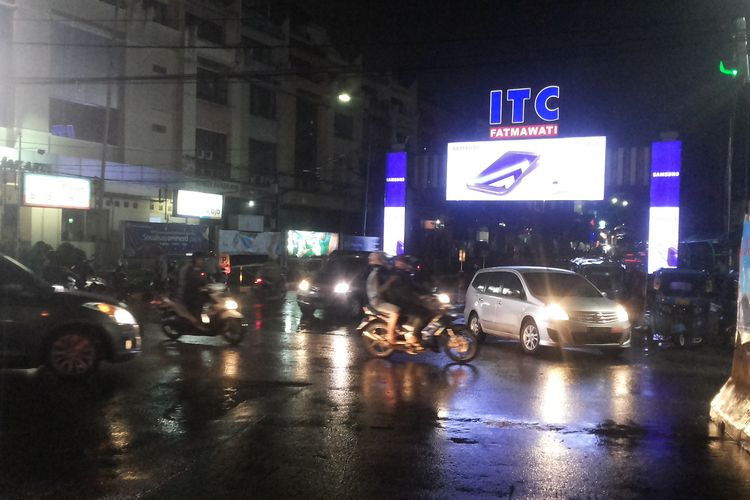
(367, 174)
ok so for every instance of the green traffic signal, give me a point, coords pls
(728, 71)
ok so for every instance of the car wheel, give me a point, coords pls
(233, 331)
(476, 327)
(72, 354)
(529, 337)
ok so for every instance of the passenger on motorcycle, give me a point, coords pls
(191, 280)
(378, 282)
(407, 294)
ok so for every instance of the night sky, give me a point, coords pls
(627, 69)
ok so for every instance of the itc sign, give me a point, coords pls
(544, 106)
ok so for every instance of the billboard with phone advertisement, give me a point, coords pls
(569, 168)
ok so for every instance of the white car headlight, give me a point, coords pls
(231, 304)
(341, 288)
(555, 312)
(119, 314)
(443, 298)
(622, 314)
(303, 286)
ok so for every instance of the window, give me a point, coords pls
(262, 102)
(262, 157)
(211, 154)
(512, 287)
(480, 282)
(211, 85)
(343, 125)
(207, 30)
(81, 121)
(494, 283)
(256, 52)
(79, 225)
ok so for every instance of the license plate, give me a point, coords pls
(682, 302)
(599, 330)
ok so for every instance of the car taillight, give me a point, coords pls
(258, 281)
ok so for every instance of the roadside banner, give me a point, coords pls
(730, 408)
(241, 243)
(151, 239)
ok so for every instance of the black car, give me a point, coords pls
(338, 286)
(68, 331)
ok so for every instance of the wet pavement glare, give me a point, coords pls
(300, 410)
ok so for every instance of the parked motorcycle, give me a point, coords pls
(219, 316)
(442, 332)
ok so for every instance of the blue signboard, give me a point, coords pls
(151, 239)
(664, 212)
(394, 212)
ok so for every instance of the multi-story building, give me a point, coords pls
(208, 96)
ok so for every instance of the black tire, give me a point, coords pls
(233, 331)
(476, 327)
(463, 347)
(73, 354)
(170, 327)
(529, 337)
(377, 348)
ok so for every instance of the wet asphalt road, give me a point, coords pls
(299, 410)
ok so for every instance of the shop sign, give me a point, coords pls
(55, 191)
(199, 204)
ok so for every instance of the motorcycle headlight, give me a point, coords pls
(443, 298)
(231, 304)
(555, 312)
(341, 288)
(622, 314)
(120, 315)
(303, 286)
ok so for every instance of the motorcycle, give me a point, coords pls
(442, 331)
(267, 289)
(219, 316)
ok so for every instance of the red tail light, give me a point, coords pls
(258, 281)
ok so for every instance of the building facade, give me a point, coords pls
(210, 96)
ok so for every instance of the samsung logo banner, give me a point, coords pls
(530, 170)
(544, 106)
(664, 211)
(394, 212)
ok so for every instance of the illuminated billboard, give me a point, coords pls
(527, 170)
(664, 213)
(311, 243)
(55, 191)
(394, 212)
(198, 204)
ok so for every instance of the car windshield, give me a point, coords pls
(553, 284)
(344, 267)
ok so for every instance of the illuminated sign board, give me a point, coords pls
(664, 212)
(311, 243)
(394, 213)
(56, 191)
(529, 170)
(198, 204)
(544, 106)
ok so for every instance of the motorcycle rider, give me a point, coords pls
(378, 282)
(191, 280)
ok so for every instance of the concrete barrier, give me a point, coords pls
(730, 408)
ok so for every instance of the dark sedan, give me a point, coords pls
(70, 332)
(339, 286)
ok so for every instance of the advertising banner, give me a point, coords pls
(664, 212)
(149, 239)
(241, 243)
(311, 243)
(361, 243)
(56, 191)
(527, 170)
(394, 212)
(743, 295)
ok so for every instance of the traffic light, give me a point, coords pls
(733, 72)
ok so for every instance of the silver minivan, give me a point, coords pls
(542, 306)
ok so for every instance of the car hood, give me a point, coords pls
(77, 298)
(584, 303)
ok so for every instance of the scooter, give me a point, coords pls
(442, 332)
(219, 316)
